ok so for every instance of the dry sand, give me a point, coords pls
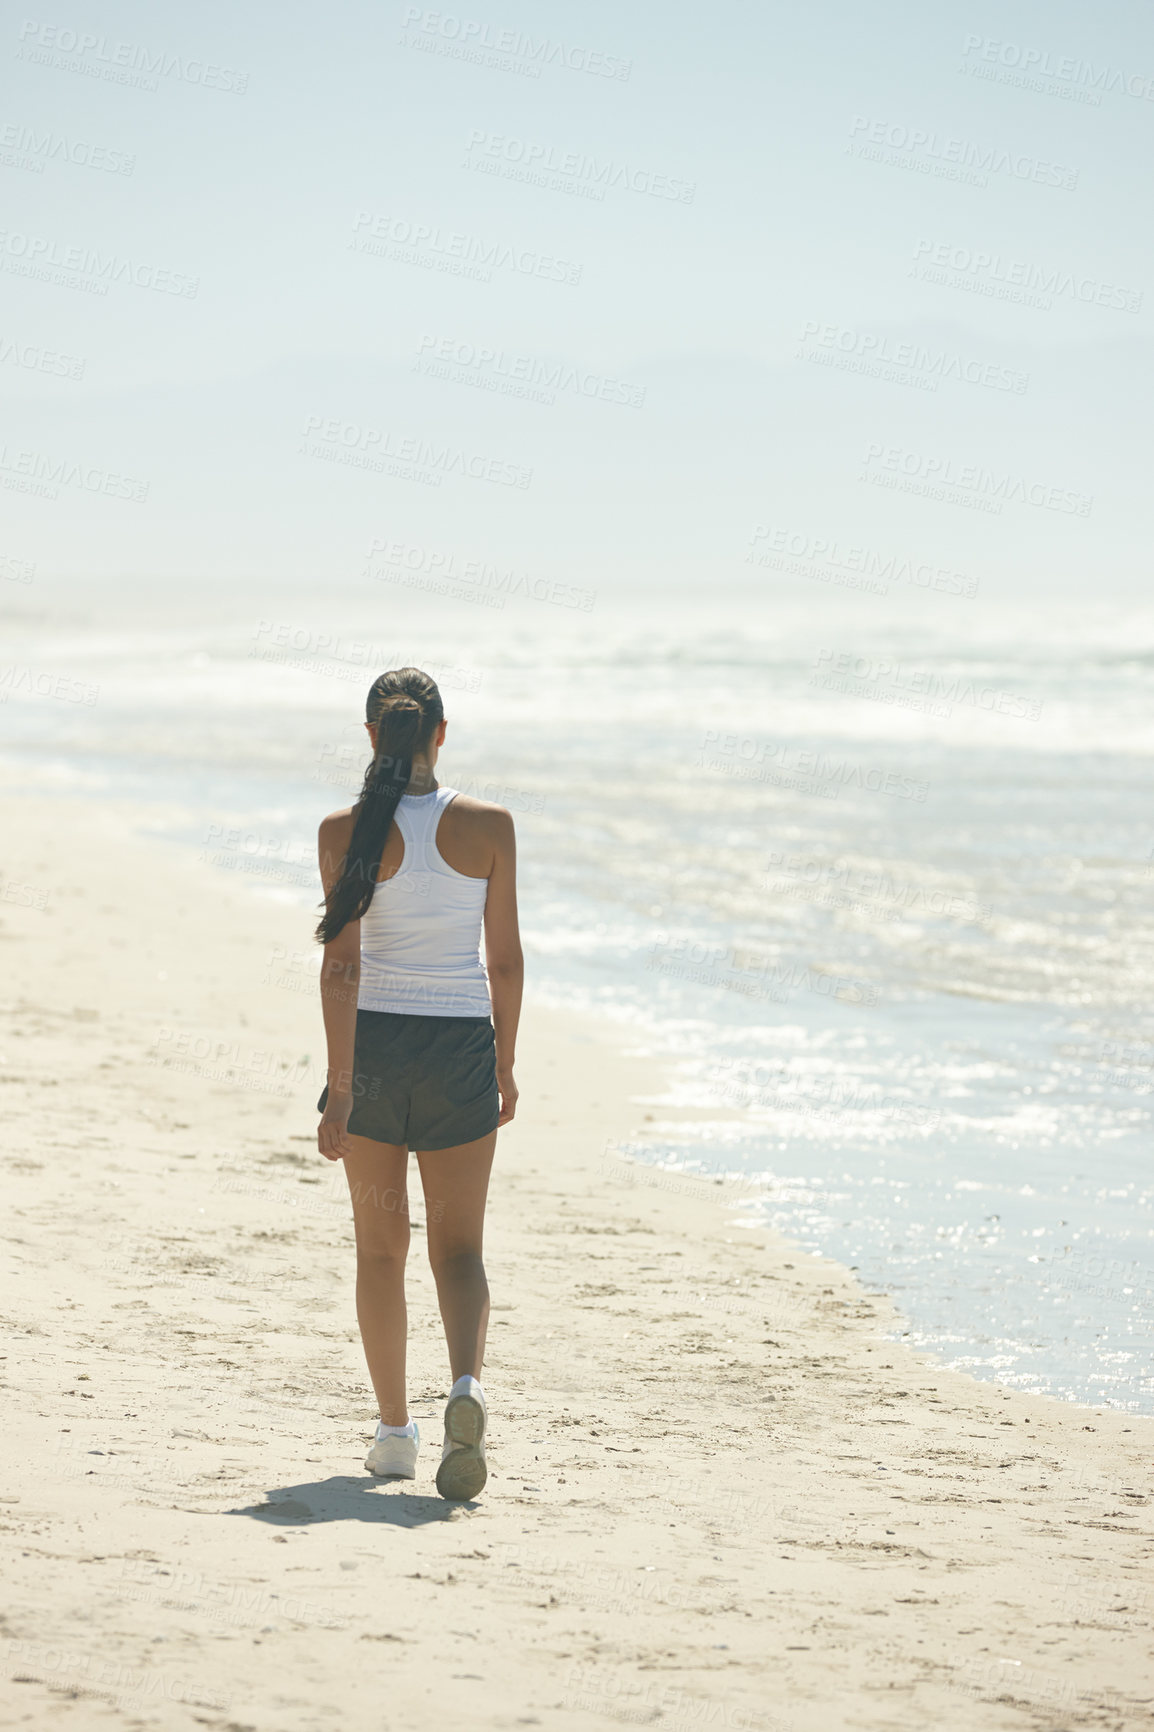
(720, 1496)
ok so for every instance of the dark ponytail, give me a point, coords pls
(405, 708)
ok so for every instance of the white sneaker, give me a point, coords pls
(394, 1455)
(462, 1473)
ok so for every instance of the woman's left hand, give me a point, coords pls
(333, 1130)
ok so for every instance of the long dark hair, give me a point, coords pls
(405, 708)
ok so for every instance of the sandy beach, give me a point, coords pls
(720, 1495)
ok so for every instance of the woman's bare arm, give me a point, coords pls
(503, 957)
(340, 979)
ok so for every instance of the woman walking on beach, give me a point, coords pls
(421, 1037)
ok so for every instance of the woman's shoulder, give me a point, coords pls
(336, 824)
(481, 814)
(477, 834)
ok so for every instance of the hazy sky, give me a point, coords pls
(615, 295)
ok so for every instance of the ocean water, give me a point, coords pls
(880, 894)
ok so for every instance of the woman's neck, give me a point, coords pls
(423, 779)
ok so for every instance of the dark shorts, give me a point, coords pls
(429, 1082)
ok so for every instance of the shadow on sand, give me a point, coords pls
(345, 1499)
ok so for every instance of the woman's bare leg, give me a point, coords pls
(456, 1183)
(377, 1175)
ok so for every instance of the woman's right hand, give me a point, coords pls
(333, 1130)
(507, 1089)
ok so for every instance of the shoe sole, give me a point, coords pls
(391, 1472)
(465, 1419)
(463, 1473)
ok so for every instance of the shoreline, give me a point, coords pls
(1021, 1272)
(719, 1491)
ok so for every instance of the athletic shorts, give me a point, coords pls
(429, 1082)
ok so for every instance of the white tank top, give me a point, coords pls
(421, 933)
